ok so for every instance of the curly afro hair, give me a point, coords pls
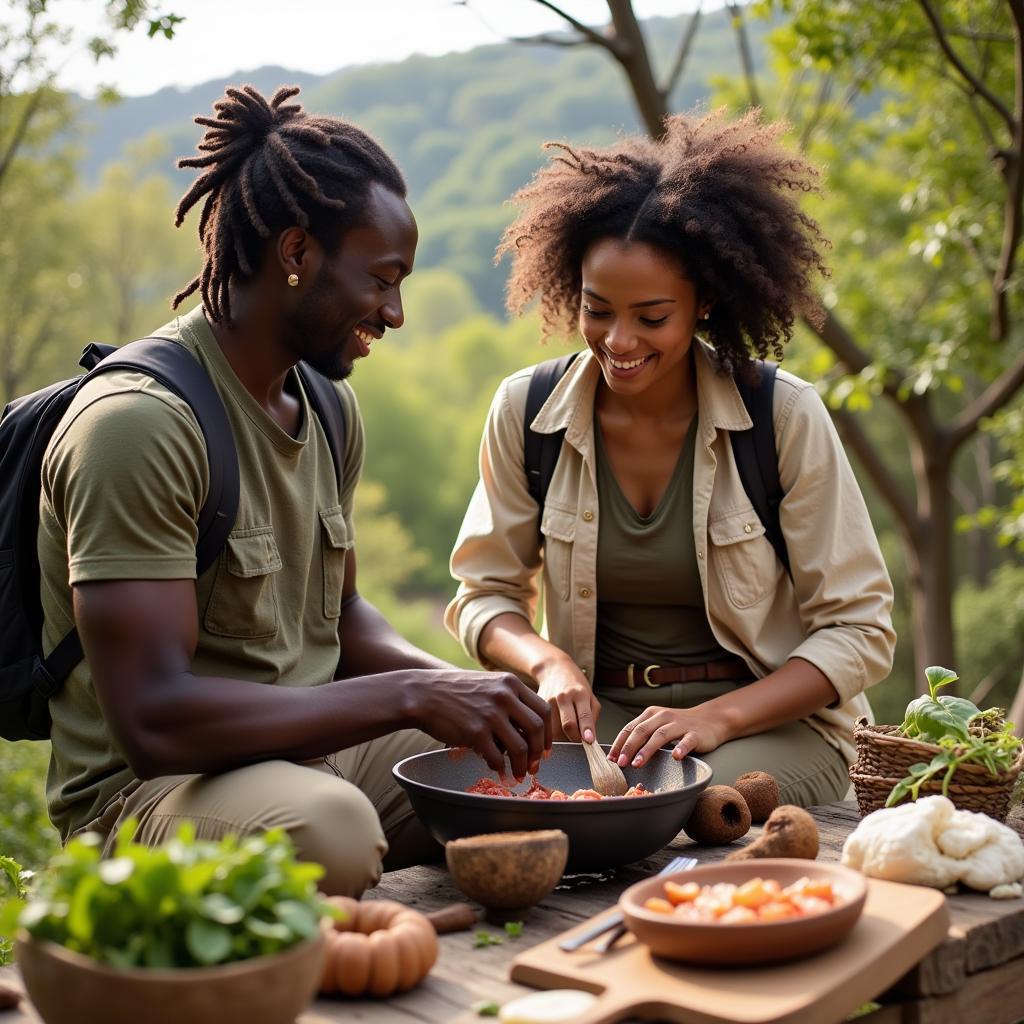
(717, 195)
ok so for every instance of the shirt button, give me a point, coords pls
(588, 515)
(584, 591)
(747, 528)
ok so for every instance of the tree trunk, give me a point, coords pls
(929, 545)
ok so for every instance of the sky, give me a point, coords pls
(219, 37)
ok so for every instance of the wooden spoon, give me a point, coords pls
(607, 777)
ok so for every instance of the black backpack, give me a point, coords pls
(754, 450)
(27, 680)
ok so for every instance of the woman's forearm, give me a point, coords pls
(795, 691)
(509, 642)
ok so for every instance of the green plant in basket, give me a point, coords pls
(187, 903)
(964, 734)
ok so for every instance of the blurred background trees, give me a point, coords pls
(921, 359)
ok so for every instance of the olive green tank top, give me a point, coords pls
(650, 603)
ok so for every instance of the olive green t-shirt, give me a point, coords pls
(123, 480)
(650, 603)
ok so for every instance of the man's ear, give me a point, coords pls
(299, 253)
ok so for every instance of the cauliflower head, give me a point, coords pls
(930, 842)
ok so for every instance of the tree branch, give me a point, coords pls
(951, 55)
(1013, 174)
(682, 53)
(989, 402)
(18, 135)
(888, 486)
(746, 59)
(612, 45)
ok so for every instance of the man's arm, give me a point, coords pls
(140, 636)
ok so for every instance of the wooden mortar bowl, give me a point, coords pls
(508, 870)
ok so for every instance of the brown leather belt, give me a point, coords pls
(662, 675)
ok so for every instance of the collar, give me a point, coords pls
(570, 406)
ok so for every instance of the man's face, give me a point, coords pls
(355, 296)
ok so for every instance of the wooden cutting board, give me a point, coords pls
(900, 924)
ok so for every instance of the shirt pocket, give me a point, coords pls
(244, 598)
(336, 543)
(743, 557)
(558, 528)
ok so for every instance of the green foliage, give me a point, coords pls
(187, 903)
(964, 734)
(26, 834)
(13, 879)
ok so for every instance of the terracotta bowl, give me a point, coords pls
(68, 988)
(508, 870)
(755, 943)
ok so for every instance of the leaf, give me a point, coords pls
(207, 941)
(513, 929)
(274, 931)
(487, 1008)
(482, 938)
(298, 917)
(938, 677)
(220, 908)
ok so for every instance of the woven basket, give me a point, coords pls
(884, 757)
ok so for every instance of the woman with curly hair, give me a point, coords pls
(669, 617)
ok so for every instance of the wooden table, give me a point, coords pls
(975, 977)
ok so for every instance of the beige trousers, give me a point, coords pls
(344, 811)
(809, 770)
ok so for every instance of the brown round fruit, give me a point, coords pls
(761, 792)
(719, 816)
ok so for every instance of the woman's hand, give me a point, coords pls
(696, 730)
(574, 708)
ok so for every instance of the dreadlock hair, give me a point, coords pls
(716, 195)
(270, 166)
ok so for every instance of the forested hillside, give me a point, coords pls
(466, 128)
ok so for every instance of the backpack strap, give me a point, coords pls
(757, 457)
(326, 402)
(179, 371)
(541, 451)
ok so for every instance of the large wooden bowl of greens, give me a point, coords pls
(193, 932)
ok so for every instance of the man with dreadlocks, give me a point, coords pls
(668, 612)
(307, 238)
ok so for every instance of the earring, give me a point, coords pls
(707, 315)
(293, 280)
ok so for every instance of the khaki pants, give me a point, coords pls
(344, 811)
(809, 770)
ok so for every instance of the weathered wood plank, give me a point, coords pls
(984, 949)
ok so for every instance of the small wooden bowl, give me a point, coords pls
(508, 870)
(755, 943)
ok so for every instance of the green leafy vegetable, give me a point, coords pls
(964, 735)
(487, 1008)
(482, 938)
(187, 903)
(15, 879)
(513, 929)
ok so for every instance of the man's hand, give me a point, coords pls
(574, 707)
(697, 730)
(493, 713)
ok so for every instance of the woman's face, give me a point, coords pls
(638, 313)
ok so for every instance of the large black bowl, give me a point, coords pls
(602, 833)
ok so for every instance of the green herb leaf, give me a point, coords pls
(482, 938)
(513, 929)
(487, 1008)
(207, 941)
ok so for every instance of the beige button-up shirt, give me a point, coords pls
(834, 613)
